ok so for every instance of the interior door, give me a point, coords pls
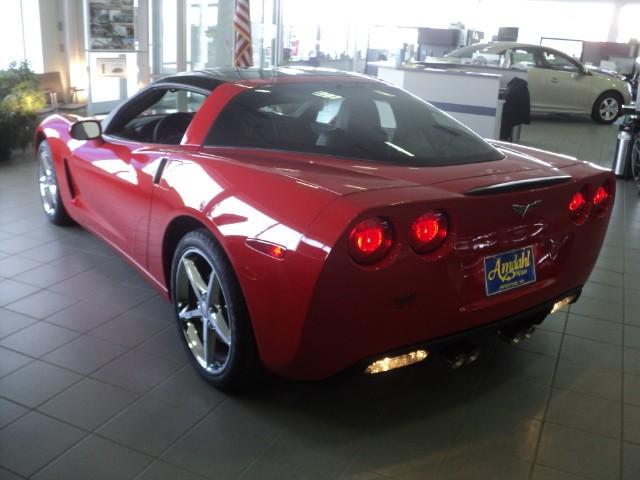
(568, 88)
(114, 175)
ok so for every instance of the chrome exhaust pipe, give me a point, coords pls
(460, 354)
(515, 335)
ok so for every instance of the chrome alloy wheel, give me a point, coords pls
(202, 310)
(47, 182)
(608, 109)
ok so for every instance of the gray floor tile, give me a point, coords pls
(149, 425)
(598, 354)
(585, 412)
(594, 329)
(38, 339)
(7, 475)
(581, 453)
(223, 444)
(186, 389)
(97, 459)
(136, 371)
(88, 404)
(164, 471)
(632, 361)
(607, 277)
(85, 354)
(33, 441)
(10, 291)
(555, 322)
(584, 378)
(167, 344)
(542, 341)
(36, 383)
(632, 389)
(17, 244)
(631, 421)
(85, 315)
(602, 292)
(511, 363)
(79, 261)
(83, 286)
(127, 295)
(53, 251)
(632, 336)
(630, 461)
(526, 399)
(598, 309)
(156, 308)
(41, 304)
(10, 361)
(43, 276)
(9, 411)
(13, 265)
(130, 330)
(11, 322)
(541, 472)
(495, 467)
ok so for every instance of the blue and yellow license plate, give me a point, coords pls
(509, 270)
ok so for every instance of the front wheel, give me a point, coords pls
(211, 313)
(607, 108)
(49, 190)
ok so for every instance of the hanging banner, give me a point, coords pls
(111, 25)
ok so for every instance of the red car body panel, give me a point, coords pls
(315, 311)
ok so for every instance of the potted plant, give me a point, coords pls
(20, 101)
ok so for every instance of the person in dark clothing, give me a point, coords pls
(516, 109)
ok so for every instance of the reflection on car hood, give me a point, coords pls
(603, 72)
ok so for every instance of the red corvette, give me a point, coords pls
(309, 220)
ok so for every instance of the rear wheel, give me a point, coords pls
(211, 313)
(607, 108)
(49, 190)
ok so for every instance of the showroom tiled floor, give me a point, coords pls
(94, 384)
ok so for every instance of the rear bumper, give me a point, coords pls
(534, 315)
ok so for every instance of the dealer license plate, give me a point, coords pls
(509, 270)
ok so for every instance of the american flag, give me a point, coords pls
(243, 54)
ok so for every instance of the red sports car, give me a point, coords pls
(311, 220)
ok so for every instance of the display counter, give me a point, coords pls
(469, 97)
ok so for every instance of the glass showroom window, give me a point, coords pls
(202, 34)
(20, 39)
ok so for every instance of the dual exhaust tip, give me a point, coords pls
(456, 355)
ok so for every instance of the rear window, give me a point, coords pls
(359, 120)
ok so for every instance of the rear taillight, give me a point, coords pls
(370, 240)
(578, 207)
(429, 231)
(602, 199)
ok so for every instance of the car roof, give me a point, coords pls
(210, 78)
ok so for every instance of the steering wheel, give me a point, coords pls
(170, 129)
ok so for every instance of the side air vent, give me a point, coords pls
(67, 176)
(526, 184)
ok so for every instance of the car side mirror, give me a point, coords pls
(86, 130)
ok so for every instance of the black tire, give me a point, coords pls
(48, 184)
(241, 368)
(607, 108)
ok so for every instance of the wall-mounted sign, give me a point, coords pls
(111, 67)
(111, 25)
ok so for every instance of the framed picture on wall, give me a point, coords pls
(111, 25)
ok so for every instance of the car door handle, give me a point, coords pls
(158, 175)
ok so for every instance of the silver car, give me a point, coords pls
(557, 82)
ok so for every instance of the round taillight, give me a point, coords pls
(370, 240)
(601, 196)
(577, 204)
(429, 231)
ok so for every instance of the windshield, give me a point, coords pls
(468, 52)
(365, 120)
